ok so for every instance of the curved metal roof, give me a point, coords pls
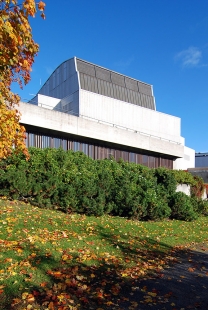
(75, 74)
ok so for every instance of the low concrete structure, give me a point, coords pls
(184, 188)
(187, 161)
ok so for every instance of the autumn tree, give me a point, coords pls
(17, 52)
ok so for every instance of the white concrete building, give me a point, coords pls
(92, 109)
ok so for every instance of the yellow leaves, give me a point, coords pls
(11, 132)
(43, 284)
(124, 275)
(109, 303)
(41, 6)
(30, 7)
(33, 255)
(17, 52)
(190, 269)
(64, 234)
(27, 297)
(55, 270)
(148, 299)
(15, 301)
(134, 304)
(8, 260)
(66, 257)
(152, 294)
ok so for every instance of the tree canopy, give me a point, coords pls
(17, 53)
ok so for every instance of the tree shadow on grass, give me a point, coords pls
(159, 278)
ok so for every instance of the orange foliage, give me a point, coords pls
(17, 52)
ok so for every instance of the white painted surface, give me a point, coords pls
(187, 161)
(184, 188)
(57, 121)
(47, 102)
(204, 195)
(109, 110)
(187, 190)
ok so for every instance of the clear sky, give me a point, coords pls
(161, 42)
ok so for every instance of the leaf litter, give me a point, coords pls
(51, 260)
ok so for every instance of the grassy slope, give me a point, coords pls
(51, 260)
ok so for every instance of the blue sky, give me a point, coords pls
(161, 42)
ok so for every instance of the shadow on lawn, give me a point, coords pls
(73, 284)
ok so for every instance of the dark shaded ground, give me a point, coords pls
(183, 285)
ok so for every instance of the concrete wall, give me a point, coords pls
(61, 122)
(187, 161)
(146, 121)
(183, 188)
(47, 102)
(187, 190)
(70, 104)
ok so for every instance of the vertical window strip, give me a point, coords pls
(96, 152)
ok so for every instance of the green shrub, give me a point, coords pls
(156, 205)
(184, 177)
(13, 177)
(165, 180)
(106, 183)
(131, 184)
(181, 207)
(200, 206)
(73, 182)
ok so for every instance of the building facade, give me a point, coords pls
(201, 160)
(85, 107)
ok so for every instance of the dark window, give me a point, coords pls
(41, 140)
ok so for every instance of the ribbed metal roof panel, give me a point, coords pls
(66, 78)
(115, 85)
(85, 67)
(131, 84)
(103, 74)
(117, 79)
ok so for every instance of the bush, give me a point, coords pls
(165, 180)
(184, 177)
(182, 207)
(198, 188)
(131, 182)
(200, 206)
(13, 177)
(73, 182)
(156, 206)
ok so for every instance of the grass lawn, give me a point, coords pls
(50, 260)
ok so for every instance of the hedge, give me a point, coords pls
(72, 182)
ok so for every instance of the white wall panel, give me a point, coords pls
(188, 160)
(66, 123)
(124, 114)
